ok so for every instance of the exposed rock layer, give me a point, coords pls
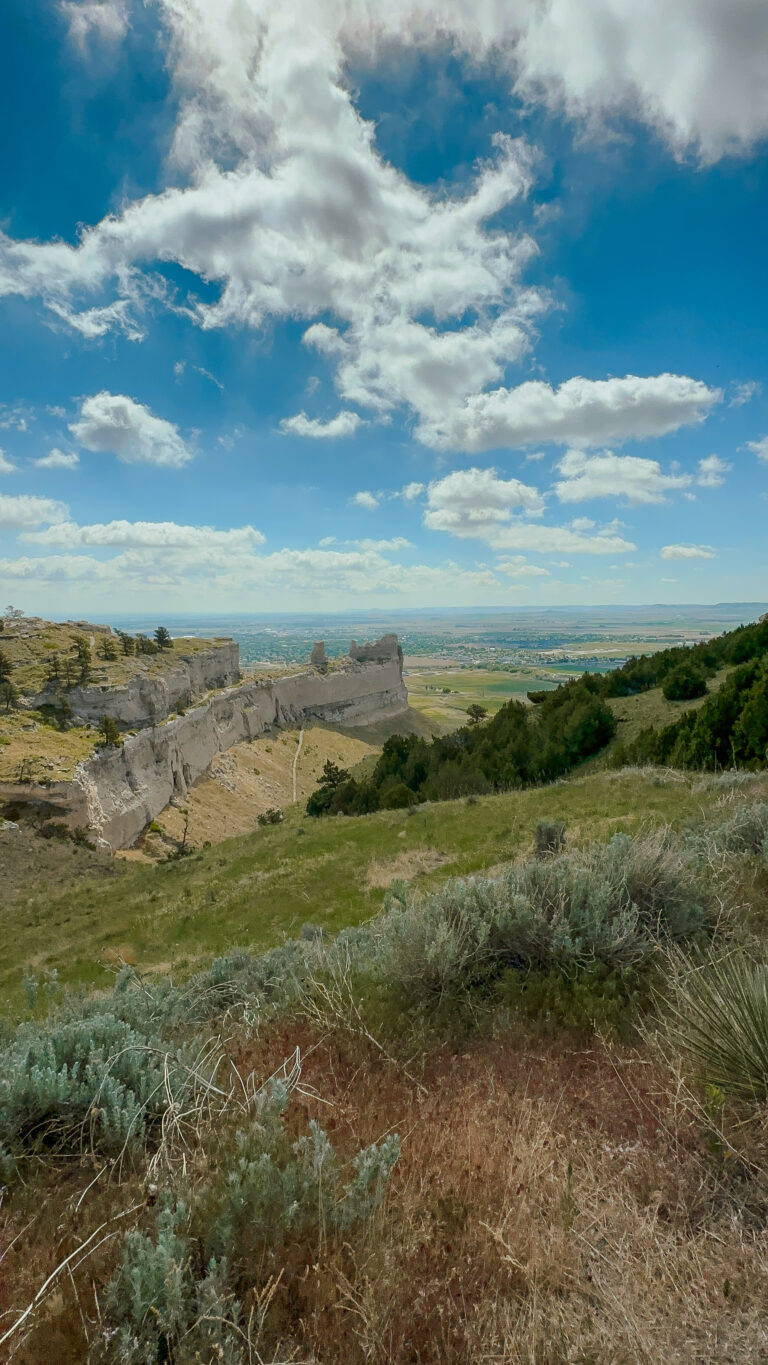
(147, 699)
(118, 791)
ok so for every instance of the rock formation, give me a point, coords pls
(318, 658)
(117, 791)
(148, 698)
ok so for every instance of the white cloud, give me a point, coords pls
(743, 393)
(712, 471)
(57, 459)
(104, 19)
(383, 546)
(477, 504)
(343, 424)
(477, 501)
(582, 412)
(111, 423)
(365, 499)
(161, 535)
(519, 568)
(683, 552)
(15, 416)
(412, 491)
(759, 448)
(582, 524)
(24, 511)
(289, 208)
(607, 475)
(6, 466)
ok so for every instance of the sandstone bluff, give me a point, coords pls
(115, 793)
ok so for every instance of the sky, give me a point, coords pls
(337, 305)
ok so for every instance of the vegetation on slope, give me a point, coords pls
(514, 749)
(216, 1157)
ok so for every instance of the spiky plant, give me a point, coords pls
(720, 1018)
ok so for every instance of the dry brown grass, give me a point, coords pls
(551, 1205)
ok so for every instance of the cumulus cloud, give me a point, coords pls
(759, 448)
(111, 423)
(688, 552)
(370, 501)
(712, 471)
(24, 511)
(161, 535)
(6, 466)
(477, 504)
(606, 475)
(58, 459)
(343, 424)
(412, 491)
(290, 209)
(106, 20)
(581, 412)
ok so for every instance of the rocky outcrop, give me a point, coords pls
(118, 791)
(318, 658)
(378, 652)
(150, 696)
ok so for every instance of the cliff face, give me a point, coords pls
(118, 791)
(148, 698)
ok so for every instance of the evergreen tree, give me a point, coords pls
(6, 666)
(163, 638)
(110, 732)
(9, 694)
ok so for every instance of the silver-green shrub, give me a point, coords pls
(610, 904)
(85, 1080)
(176, 1293)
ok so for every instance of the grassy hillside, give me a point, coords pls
(255, 889)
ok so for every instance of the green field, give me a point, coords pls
(253, 890)
(445, 696)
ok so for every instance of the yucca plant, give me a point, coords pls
(720, 1019)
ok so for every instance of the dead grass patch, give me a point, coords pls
(406, 866)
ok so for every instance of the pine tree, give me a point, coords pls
(163, 638)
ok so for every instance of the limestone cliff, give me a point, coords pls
(149, 697)
(118, 791)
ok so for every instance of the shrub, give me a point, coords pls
(175, 1294)
(684, 683)
(609, 905)
(273, 816)
(719, 1015)
(88, 1077)
(549, 838)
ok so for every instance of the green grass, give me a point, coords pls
(490, 687)
(253, 890)
(634, 714)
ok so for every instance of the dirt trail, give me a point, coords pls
(296, 759)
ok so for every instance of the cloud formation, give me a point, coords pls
(759, 448)
(581, 412)
(636, 481)
(343, 424)
(6, 466)
(712, 472)
(57, 459)
(161, 535)
(111, 423)
(477, 504)
(683, 552)
(106, 20)
(25, 511)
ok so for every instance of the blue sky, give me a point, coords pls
(310, 307)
